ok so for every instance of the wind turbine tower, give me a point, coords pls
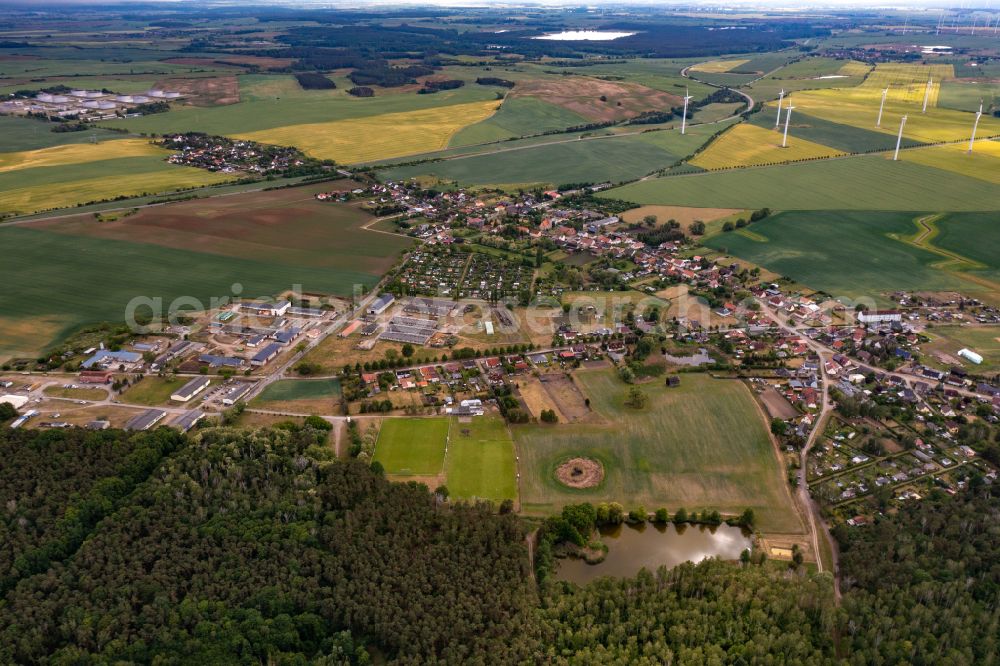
(927, 93)
(788, 118)
(975, 126)
(687, 98)
(899, 139)
(878, 123)
(777, 121)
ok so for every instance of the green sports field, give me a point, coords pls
(700, 445)
(480, 462)
(854, 254)
(412, 447)
(870, 182)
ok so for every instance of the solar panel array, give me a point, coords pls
(409, 329)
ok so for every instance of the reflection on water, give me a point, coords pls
(585, 35)
(630, 548)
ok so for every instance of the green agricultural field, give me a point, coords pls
(300, 389)
(975, 236)
(835, 135)
(480, 461)
(615, 158)
(859, 183)
(78, 286)
(966, 95)
(153, 391)
(849, 254)
(29, 134)
(518, 116)
(702, 445)
(272, 101)
(412, 447)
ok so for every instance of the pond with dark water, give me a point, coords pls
(650, 546)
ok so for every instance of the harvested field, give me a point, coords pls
(580, 473)
(582, 95)
(569, 400)
(685, 215)
(205, 91)
(536, 398)
(777, 406)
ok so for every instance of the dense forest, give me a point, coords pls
(257, 547)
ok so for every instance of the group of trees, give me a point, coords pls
(257, 546)
(250, 546)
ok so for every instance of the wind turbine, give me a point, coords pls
(927, 93)
(777, 121)
(975, 126)
(788, 118)
(899, 139)
(878, 123)
(687, 98)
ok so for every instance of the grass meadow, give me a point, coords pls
(702, 445)
(302, 396)
(300, 389)
(858, 183)
(984, 340)
(153, 391)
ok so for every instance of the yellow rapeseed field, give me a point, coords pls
(749, 145)
(33, 198)
(718, 66)
(983, 163)
(854, 68)
(855, 107)
(379, 137)
(78, 153)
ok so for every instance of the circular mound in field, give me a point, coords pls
(580, 473)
